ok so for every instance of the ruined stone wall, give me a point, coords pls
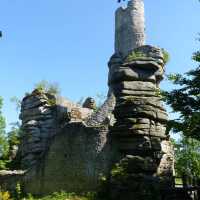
(129, 27)
(77, 157)
(64, 142)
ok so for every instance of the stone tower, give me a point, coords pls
(129, 27)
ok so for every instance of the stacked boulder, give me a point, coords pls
(43, 116)
(38, 126)
(140, 128)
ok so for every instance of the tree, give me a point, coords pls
(186, 101)
(187, 156)
(3, 139)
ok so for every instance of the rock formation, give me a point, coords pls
(145, 167)
(38, 127)
(90, 103)
(140, 128)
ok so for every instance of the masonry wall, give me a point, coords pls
(129, 27)
(77, 157)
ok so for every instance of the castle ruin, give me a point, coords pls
(66, 146)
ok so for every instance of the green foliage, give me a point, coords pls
(118, 171)
(64, 196)
(47, 87)
(186, 101)
(50, 88)
(166, 56)
(67, 196)
(5, 195)
(2, 119)
(134, 55)
(14, 134)
(187, 157)
(19, 193)
(3, 139)
(17, 102)
(196, 56)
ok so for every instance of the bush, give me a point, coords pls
(47, 87)
(5, 195)
(166, 56)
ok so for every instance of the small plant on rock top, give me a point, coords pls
(166, 56)
(134, 55)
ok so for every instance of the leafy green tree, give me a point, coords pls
(3, 139)
(15, 134)
(14, 138)
(17, 102)
(187, 157)
(186, 101)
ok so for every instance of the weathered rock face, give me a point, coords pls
(38, 125)
(140, 128)
(104, 115)
(90, 103)
(129, 27)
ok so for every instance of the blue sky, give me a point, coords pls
(70, 42)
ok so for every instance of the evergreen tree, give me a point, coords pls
(186, 101)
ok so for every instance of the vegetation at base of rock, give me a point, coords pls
(69, 196)
(6, 195)
(125, 182)
(119, 172)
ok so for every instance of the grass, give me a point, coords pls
(64, 196)
(55, 196)
(178, 181)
